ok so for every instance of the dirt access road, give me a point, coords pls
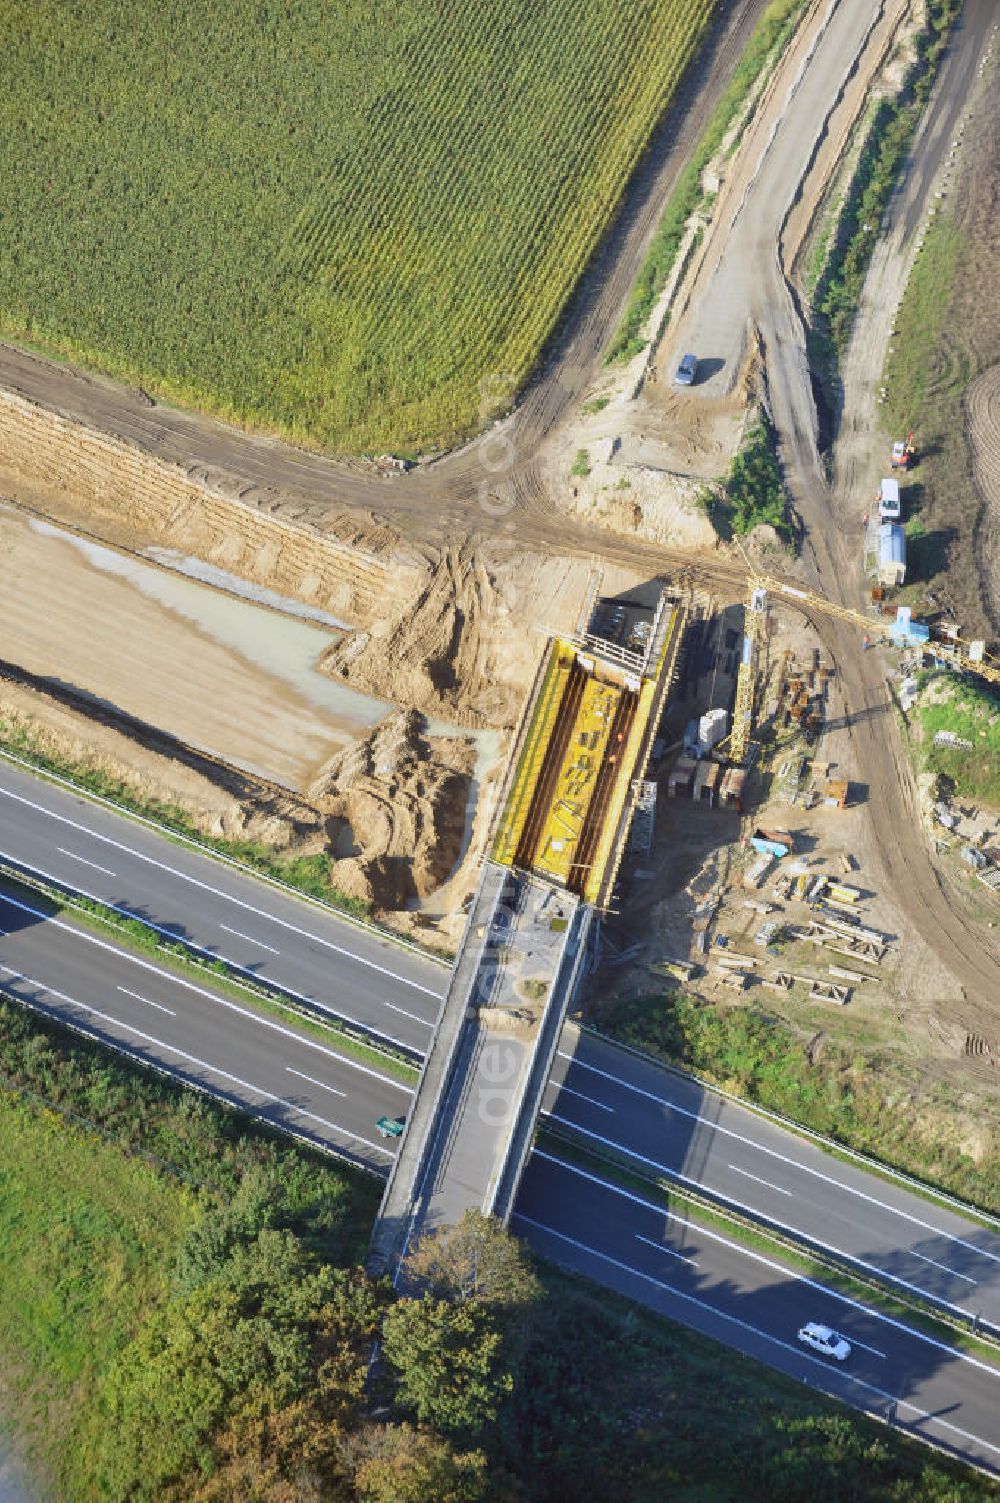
(831, 553)
(860, 449)
(739, 275)
(471, 492)
(744, 291)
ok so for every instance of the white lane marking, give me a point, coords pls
(780, 1188)
(172, 934)
(925, 1414)
(74, 857)
(663, 1248)
(321, 1083)
(784, 1158)
(218, 892)
(215, 997)
(744, 1325)
(148, 1001)
(743, 1205)
(953, 1271)
(427, 1022)
(865, 1347)
(565, 1090)
(193, 1059)
(250, 938)
(756, 1257)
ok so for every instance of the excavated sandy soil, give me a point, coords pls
(85, 628)
(394, 810)
(246, 737)
(129, 498)
(454, 635)
(391, 810)
(97, 672)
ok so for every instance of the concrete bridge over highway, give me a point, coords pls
(575, 779)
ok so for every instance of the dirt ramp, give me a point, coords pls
(464, 646)
(395, 811)
(437, 650)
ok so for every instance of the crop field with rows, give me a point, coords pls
(351, 223)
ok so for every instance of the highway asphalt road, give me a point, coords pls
(685, 1132)
(390, 990)
(252, 1059)
(751, 1302)
(664, 1119)
(619, 1238)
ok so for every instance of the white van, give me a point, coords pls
(888, 501)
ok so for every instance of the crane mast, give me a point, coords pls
(969, 656)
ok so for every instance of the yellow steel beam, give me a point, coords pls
(574, 788)
(536, 740)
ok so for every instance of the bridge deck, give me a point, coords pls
(582, 752)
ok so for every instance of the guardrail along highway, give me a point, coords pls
(613, 1098)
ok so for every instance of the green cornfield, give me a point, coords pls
(351, 223)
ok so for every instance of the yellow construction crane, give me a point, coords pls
(970, 656)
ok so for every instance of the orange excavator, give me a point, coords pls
(904, 454)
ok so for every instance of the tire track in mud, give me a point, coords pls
(981, 406)
(908, 862)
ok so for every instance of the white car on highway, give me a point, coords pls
(824, 1339)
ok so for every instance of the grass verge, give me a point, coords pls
(113, 1180)
(970, 712)
(762, 52)
(841, 1091)
(890, 132)
(913, 368)
(180, 1301)
(86, 1241)
(709, 1423)
(174, 955)
(948, 333)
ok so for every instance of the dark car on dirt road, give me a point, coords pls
(686, 371)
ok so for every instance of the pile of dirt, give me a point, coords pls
(464, 646)
(627, 495)
(431, 652)
(394, 810)
(391, 811)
